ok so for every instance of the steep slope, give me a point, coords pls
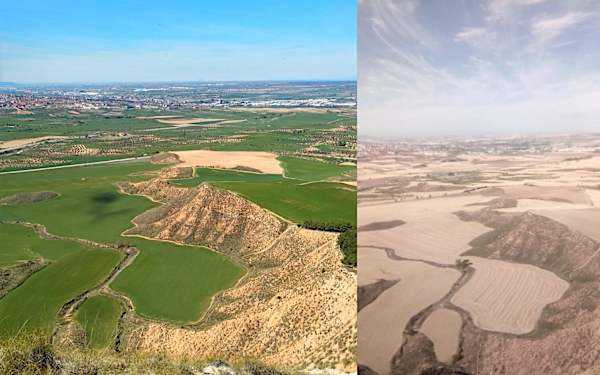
(205, 216)
(296, 307)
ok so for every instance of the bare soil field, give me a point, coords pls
(530, 270)
(443, 329)
(265, 162)
(431, 231)
(28, 141)
(381, 324)
(508, 297)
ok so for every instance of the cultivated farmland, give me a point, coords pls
(180, 232)
(519, 228)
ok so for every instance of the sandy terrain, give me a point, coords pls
(431, 231)
(28, 141)
(380, 323)
(538, 204)
(586, 222)
(443, 328)
(541, 211)
(508, 297)
(265, 162)
(594, 196)
(565, 194)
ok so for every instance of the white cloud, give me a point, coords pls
(501, 10)
(516, 79)
(475, 36)
(547, 28)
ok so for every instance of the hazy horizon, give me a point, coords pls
(436, 68)
(151, 41)
(308, 80)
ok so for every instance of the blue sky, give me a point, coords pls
(473, 67)
(96, 41)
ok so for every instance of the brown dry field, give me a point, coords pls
(443, 328)
(431, 231)
(515, 292)
(508, 297)
(265, 162)
(27, 141)
(380, 324)
(585, 221)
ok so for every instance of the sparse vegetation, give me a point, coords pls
(35, 354)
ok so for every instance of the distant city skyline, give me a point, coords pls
(470, 67)
(154, 41)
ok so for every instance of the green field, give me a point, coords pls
(313, 170)
(20, 244)
(291, 198)
(319, 201)
(98, 316)
(173, 282)
(166, 281)
(34, 304)
(212, 175)
(90, 207)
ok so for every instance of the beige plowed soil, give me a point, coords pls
(381, 323)
(265, 162)
(431, 231)
(443, 329)
(529, 302)
(508, 297)
(27, 141)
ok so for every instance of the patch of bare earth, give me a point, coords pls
(295, 308)
(443, 328)
(28, 141)
(265, 162)
(564, 340)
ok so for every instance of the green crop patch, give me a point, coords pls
(173, 282)
(35, 303)
(313, 170)
(223, 175)
(319, 201)
(98, 316)
(89, 205)
(20, 244)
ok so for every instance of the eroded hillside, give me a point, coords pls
(296, 306)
